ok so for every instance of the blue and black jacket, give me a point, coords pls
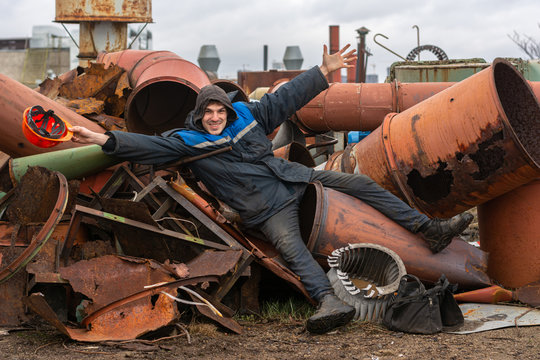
(248, 178)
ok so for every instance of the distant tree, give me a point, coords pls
(527, 43)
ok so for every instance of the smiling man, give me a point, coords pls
(266, 190)
(215, 118)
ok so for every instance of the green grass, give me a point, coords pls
(282, 310)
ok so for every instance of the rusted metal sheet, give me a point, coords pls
(10, 235)
(132, 11)
(132, 240)
(460, 148)
(530, 294)
(165, 88)
(51, 87)
(214, 263)
(85, 106)
(116, 103)
(114, 307)
(46, 260)
(330, 220)
(251, 80)
(44, 234)
(108, 324)
(12, 312)
(109, 278)
(14, 99)
(124, 327)
(229, 86)
(510, 232)
(95, 181)
(92, 82)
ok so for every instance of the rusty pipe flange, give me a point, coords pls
(365, 276)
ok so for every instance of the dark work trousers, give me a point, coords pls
(283, 228)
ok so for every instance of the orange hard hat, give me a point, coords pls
(44, 128)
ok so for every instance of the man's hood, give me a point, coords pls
(208, 94)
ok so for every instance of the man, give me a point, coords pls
(266, 190)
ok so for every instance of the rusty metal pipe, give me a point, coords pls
(330, 220)
(230, 86)
(165, 88)
(510, 232)
(460, 148)
(350, 107)
(14, 99)
(295, 152)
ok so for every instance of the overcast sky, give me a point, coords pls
(239, 29)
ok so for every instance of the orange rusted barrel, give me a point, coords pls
(460, 148)
(14, 99)
(510, 232)
(330, 220)
(350, 107)
(165, 88)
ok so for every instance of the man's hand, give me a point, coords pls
(338, 60)
(82, 135)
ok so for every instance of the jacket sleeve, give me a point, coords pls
(147, 149)
(273, 109)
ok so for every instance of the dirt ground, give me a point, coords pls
(276, 340)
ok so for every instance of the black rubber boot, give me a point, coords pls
(332, 313)
(439, 233)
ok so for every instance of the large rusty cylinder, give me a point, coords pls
(165, 88)
(510, 232)
(460, 148)
(362, 107)
(331, 220)
(14, 99)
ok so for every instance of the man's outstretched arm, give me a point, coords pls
(138, 148)
(273, 109)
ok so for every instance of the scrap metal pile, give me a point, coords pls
(105, 250)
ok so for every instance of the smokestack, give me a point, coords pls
(265, 57)
(334, 48)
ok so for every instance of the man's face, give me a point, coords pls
(214, 118)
